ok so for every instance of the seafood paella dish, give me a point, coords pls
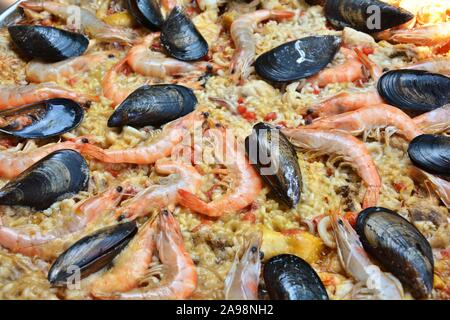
(241, 150)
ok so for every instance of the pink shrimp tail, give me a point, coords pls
(93, 151)
(191, 201)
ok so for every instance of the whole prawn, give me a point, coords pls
(241, 31)
(157, 197)
(247, 183)
(435, 121)
(440, 186)
(429, 35)
(180, 280)
(368, 118)
(16, 96)
(350, 148)
(172, 134)
(357, 264)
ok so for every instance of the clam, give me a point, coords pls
(58, 176)
(147, 13)
(48, 43)
(288, 277)
(399, 247)
(275, 159)
(431, 153)
(297, 59)
(414, 90)
(154, 106)
(368, 16)
(43, 119)
(181, 39)
(91, 253)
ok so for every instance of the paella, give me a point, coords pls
(279, 149)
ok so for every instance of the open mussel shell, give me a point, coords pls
(58, 176)
(288, 277)
(431, 153)
(181, 39)
(154, 105)
(274, 157)
(91, 253)
(414, 90)
(368, 16)
(147, 13)
(297, 59)
(43, 119)
(399, 247)
(48, 43)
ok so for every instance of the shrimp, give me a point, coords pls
(349, 71)
(247, 183)
(436, 65)
(16, 96)
(242, 30)
(356, 263)
(180, 280)
(432, 35)
(345, 102)
(368, 118)
(14, 162)
(157, 197)
(242, 280)
(110, 88)
(38, 71)
(440, 186)
(42, 245)
(435, 121)
(345, 145)
(172, 134)
(131, 264)
(374, 70)
(84, 20)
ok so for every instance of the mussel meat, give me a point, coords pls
(48, 43)
(58, 176)
(399, 247)
(43, 119)
(288, 277)
(275, 159)
(297, 59)
(414, 90)
(368, 16)
(91, 253)
(154, 106)
(181, 39)
(431, 153)
(147, 13)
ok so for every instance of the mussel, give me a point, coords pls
(368, 16)
(91, 253)
(59, 175)
(297, 59)
(147, 13)
(399, 247)
(154, 106)
(288, 277)
(181, 39)
(431, 153)
(414, 90)
(48, 43)
(43, 119)
(275, 159)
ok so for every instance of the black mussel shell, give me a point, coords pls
(58, 176)
(414, 90)
(399, 247)
(297, 59)
(154, 106)
(91, 253)
(43, 119)
(275, 159)
(147, 13)
(181, 39)
(48, 43)
(431, 153)
(288, 277)
(368, 16)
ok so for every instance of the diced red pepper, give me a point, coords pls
(316, 90)
(398, 186)
(240, 100)
(270, 116)
(241, 109)
(368, 50)
(250, 116)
